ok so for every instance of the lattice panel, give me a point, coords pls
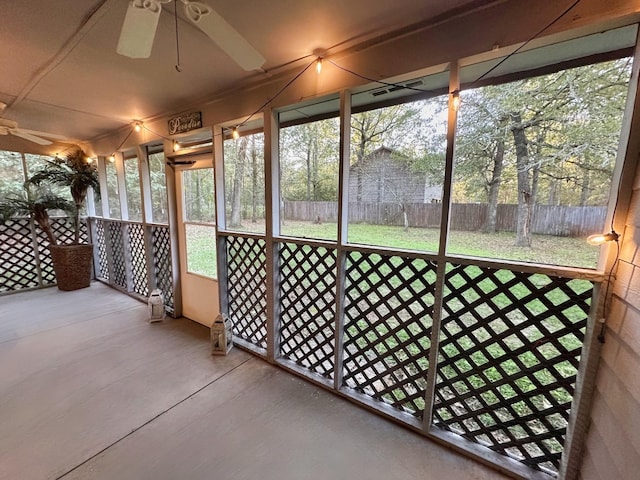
(161, 239)
(307, 306)
(247, 288)
(46, 264)
(17, 256)
(509, 356)
(138, 259)
(103, 267)
(63, 230)
(117, 255)
(388, 308)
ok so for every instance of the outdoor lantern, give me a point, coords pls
(155, 306)
(221, 335)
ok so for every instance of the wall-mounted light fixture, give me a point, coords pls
(112, 157)
(235, 134)
(600, 238)
(455, 99)
(176, 146)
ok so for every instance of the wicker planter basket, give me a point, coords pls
(72, 264)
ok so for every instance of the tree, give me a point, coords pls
(309, 161)
(11, 173)
(244, 178)
(235, 219)
(480, 150)
(543, 139)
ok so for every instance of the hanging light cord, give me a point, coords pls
(175, 16)
(536, 35)
(271, 99)
(605, 307)
(612, 270)
(506, 58)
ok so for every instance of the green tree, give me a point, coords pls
(546, 139)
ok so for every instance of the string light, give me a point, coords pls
(235, 134)
(600, 238)
(319, 65)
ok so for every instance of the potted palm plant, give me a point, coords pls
(71, 262)
(34, 203)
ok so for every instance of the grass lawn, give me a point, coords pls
(546, 249)
(201, 250)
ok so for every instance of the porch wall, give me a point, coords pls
(613, 442)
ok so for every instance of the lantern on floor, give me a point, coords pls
(221, 335)
(155, 306)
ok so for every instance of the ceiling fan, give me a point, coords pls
(10, 127)
(140, 23)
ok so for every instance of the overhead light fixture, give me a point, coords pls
(600, 238)
(137, 127)
(235, 134)
(319, 65)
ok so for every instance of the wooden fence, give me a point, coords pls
(547, 219)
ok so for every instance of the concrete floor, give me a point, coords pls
(90, 390)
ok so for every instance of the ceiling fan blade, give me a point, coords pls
(38, 133)
(224, 35)
(31, 138)
(139, 28)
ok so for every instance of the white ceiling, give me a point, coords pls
(61, 74)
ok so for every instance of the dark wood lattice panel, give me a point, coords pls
(17, 256)
(138, 259)
(63, 230)
(388, 308)
(46, 264)
(247, 288)
(509, 354)
(117, 255)
(103, 267)
(308, 306)
(161, 239)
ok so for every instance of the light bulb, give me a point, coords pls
(319, 65)
(455, 99)
(176, 146)
(235, 134)
(112, 157)
(137, 126)
(600, 238)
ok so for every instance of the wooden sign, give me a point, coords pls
(185, 123)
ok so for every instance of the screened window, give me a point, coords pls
(533, 164)
(112, 190)
(11, 173)
(132, 184)
(309, 162)
(244, 183)
(396, 169)
(158, 184)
